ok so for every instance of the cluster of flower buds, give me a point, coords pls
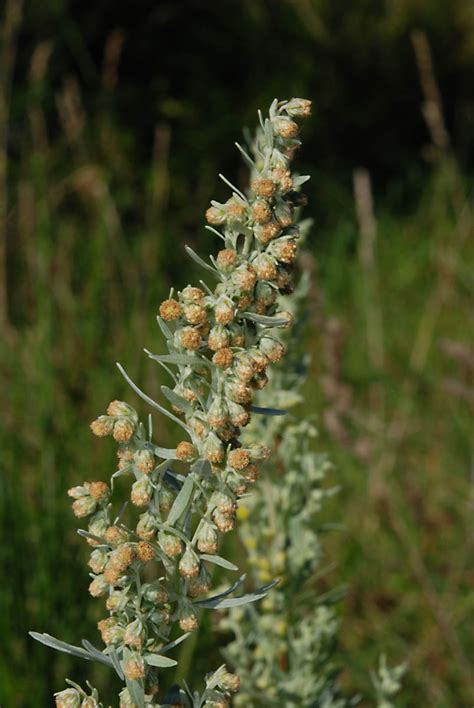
(76, 697)
(221, 342)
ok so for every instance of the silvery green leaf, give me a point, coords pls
(268, 411)
(121, 512)
(86, 534)
(200, 261)
(201, 468)
(246, 156)
(137, 693)
(159, 660)
(100, 656)
(116, 662)
(300, 179)
(166, 453)
(218, 560)
(149, 400)
(167, 333)
(180, 359)
(170, 478)
(272, 112)
(232, 186)
(272, 321)
(236, 601)
(57, 644)
(268, 133)
(181, 502)
(173, 644)
(177, 400)
(221, 595)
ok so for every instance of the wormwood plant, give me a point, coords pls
(284, 647)
(154, 570)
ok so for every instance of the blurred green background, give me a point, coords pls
(115, 119)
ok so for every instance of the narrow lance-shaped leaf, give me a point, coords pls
(236, 601)
(200, 262)
(268, 411)
(176, 400)
(149, 400)
(137, 693)
(159, 660)
(218, 560)
(181, 502)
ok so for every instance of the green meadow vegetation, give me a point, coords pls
(100, 191)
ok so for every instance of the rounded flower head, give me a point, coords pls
(264, 187)
(224, 313)
(213, 449)
(102, 426)
(223, 358)
(134, 634)
(142, 491)
(189, 338)
(189, 564)
(120, 408)
(188, 620)
(191, 294)
(185, 451)
(261, 211)
(283, 177)
(195, 313)
(236, 210)
(144, 461)
(170, 544)
(144, 551)
(114, 535)
(110, 630)
(264, 233)
(84, 506)
(218, 338)
(134, 668)
(123, 429)
(216, 215)
(146, 527)
(98, 586)
(207, 538)
(226, 260)
(99, 491)
(229, 682)
(286, 128)
(170, 310)
(69, 698)
(299, 107)
(238, 459)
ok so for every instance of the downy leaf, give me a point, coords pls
(201, 468)
(167, 333)
(149, 400)
(181, 502)
(200, 262)
(163, 662)
(137, 693)
(57, 644)
(266, 320)
(116, 662)
(218, 560)
(236, 601)
(268, 411)
(221, 595)
(180, 359)
(177, 400)
(173, 644)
